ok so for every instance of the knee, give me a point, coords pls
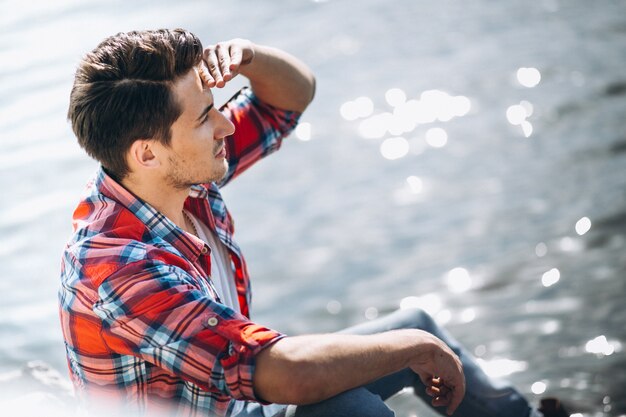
(415, 318)
(358, 402)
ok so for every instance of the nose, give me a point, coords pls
(223, 126)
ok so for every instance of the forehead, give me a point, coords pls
(192, 93)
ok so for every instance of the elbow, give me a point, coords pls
(306, 95)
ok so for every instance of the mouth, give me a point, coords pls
(221, 153)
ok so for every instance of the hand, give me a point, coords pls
(442, 373)
(225, 60)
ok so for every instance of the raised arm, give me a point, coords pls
(276, 77)
(308, 369)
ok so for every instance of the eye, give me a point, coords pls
(205, 119)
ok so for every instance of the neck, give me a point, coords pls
(167, 200)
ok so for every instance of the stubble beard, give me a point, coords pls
(181, 178)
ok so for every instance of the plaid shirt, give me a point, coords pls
(143, 325)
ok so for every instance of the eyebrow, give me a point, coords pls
(205, 111)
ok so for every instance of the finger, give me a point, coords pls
(203, 71)
(440, 401)
(223, 58)
(236, 55)
(433, 391)
(214, 70)
(442, 390)
(436, 381)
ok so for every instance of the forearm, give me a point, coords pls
(280, 79)
(308, 369)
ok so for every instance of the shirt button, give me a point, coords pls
(204, 250)
(212, 321)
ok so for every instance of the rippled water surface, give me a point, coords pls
(468, 158)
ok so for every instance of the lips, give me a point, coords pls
(221, 153)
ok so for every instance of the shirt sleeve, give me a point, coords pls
(157, 312)
(259, 131)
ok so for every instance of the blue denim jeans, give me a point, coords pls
(484, 397)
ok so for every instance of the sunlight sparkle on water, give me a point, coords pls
(443, 317)
(528, 107)
(371, 313)
(516, 114)
(528, 77)
(376, 126)
(334, 307)
(600, 346)
(303, 131)
(550, 327)
(498, 368)
(458, 280)
(433, 105)
(551, 277)
(541, 249)
(583, 225)
(538, 387)
(415, 184)
(395, 97)
(567, 244)
(436, 137)
(358, 108)
(394, 148)
(480, 350)
(468, 315)
(430, 303)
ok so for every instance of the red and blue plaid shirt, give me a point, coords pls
(143, 326)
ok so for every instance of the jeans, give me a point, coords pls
(484, 397)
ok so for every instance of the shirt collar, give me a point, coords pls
(161, 226)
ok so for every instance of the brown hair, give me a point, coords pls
(122, 92)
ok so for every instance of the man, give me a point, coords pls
(155, 292)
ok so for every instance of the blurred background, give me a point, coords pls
(468, 158)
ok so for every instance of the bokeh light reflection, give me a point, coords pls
(583, 226)
(516, 114)
(458, 280)
(436, 137)
(551, 277)
(371, 313)
(375, 127)
(395, 97)
(334, 307)
(356, 109)
(415, 184)
(528, 77)
(468, 315)
(601, 346)
(538, 387)
(541, 249)
(394, 148)
(430, 303)
(303, 131)
(527, 128)
(443, 317)
(432, 106)
(498, 368)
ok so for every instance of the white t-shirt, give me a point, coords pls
(221, 270)
(221, 275)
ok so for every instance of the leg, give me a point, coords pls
(484, 396)
(358, 402)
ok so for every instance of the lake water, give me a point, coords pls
(465, 157)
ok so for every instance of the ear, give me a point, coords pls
(142, 154)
